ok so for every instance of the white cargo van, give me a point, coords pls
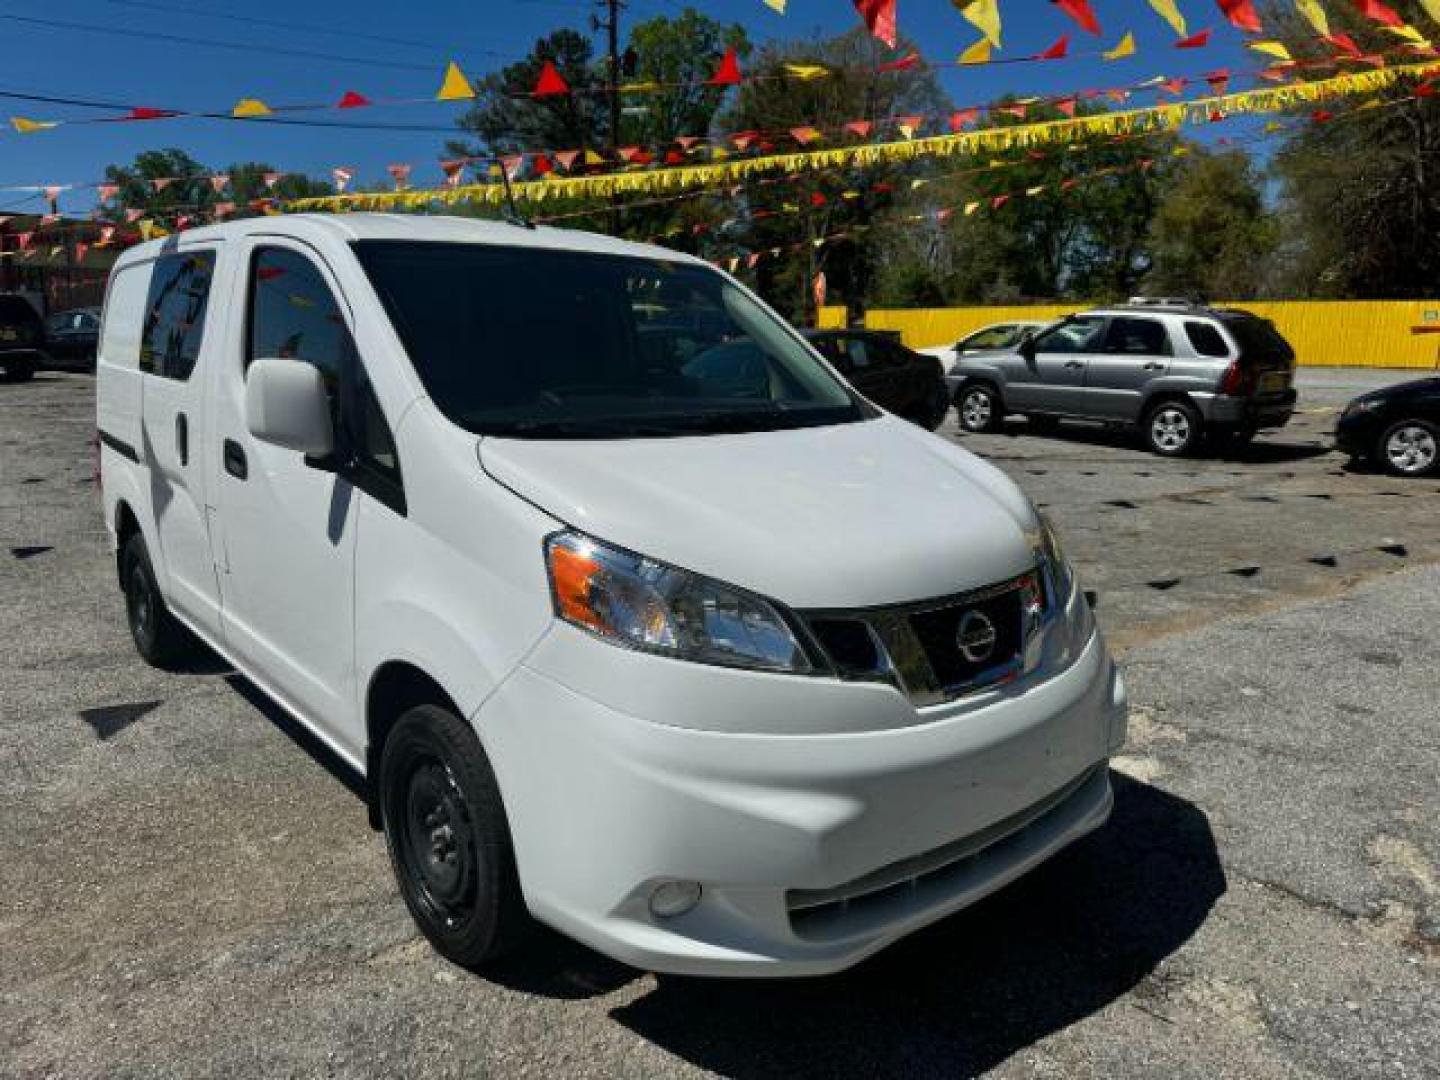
(636, 619)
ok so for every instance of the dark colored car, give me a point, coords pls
(1397, 428)
(22, 338)
(72, 337)
(897, 379)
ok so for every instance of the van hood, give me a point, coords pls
(851, 515)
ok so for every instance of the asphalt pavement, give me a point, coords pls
(188, 886)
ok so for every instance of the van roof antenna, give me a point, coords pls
(511, 213)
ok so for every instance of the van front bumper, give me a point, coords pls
(812, 851)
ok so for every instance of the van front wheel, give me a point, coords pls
(448, 838)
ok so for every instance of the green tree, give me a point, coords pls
(677, 55)
(187, 188)
(1213, 235)
(1359, 202)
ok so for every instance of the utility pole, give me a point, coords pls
(612, 33)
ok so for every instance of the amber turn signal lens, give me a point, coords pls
(572, 572)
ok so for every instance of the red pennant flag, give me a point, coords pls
(674, 157)
(905, 63)
(160, 183)
(879, 17)
(1219, 81)
(566, 158)
(1378, 12)
(1173, 86)
(400, 173)
(352, 100)
(342, 177)
(943, 216)
(1081, 12)
(133, 215)
(1017, 110)
(1056, 51)
(512, 164)
(999, 201)
(1066, 106)
(25, 238)
(182, 222)
(1321, 115)
(550, 83)
(752, 259)
(142, 113)
(1343, 43)
(1426, 89)
(1068, 183)
(271, 179)
(106, 233)
(817, 200)
(107, 191)
(218, 182)
(859, 127)
(1120, 96)
(644, 157)
(728, 73)
(1195, 41)
(627, 153)
(804, 135)
(224, 209)
(1241, 13)
(913, 123)
(743, 139)
(1276, 73)
(687, 141)
(963, 117)
(1216, 116)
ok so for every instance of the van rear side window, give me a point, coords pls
(175, 313)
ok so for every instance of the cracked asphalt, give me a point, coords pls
(188, 886)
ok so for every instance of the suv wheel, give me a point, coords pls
(448, 837)
(1410, 448)
(1172, 428)
(979, 408)
(159, 638)
(20, 370)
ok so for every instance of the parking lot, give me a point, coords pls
(188, 885)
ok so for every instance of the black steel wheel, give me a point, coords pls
(448, 838)
(160, 640)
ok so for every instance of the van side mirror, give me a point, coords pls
(286, 404)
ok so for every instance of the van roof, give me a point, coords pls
(426, 227)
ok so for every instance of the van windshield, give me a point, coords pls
(533, 343)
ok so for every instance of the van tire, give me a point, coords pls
(159, 638)
(449, 839)
(979, 407)
(1173, 428)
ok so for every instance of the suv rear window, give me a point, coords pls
(1206, 340)
(1259, 341)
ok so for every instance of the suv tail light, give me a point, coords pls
(1235, 380)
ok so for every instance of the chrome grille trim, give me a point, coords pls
(904, 663)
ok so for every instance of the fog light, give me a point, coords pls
(672, 898)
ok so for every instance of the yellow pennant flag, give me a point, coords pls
(1271, 48)
(250, 107)
(979, 53)
(1168, 11)
(777, 6)
(25, 127)
(1432, 8)
(147, 228)
(1408, 32)
(1125, 48)
(1314, 15)
(592, 158)
(455, 87)
(806, 72)
(985, 15)
(1272, 126)
(971, 207)
(1036, 190)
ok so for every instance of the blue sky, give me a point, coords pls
(145, 67)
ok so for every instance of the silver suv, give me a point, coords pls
(1174, 371)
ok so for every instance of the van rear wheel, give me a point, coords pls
(448, 838)
(159, 638)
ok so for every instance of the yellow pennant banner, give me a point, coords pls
(1168, 117)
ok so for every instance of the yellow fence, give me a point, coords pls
(1339, 333)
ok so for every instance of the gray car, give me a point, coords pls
(1174, 372)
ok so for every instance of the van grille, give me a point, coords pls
(936, 650)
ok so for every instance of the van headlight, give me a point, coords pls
(641, 603)
(1059, 574)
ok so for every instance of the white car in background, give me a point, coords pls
(996, 337)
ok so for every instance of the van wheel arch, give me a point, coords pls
(126, 526)
(395, 687)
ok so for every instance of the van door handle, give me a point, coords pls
(235, 463)
(182, 438)
(1074, 363)
(1153, 366)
